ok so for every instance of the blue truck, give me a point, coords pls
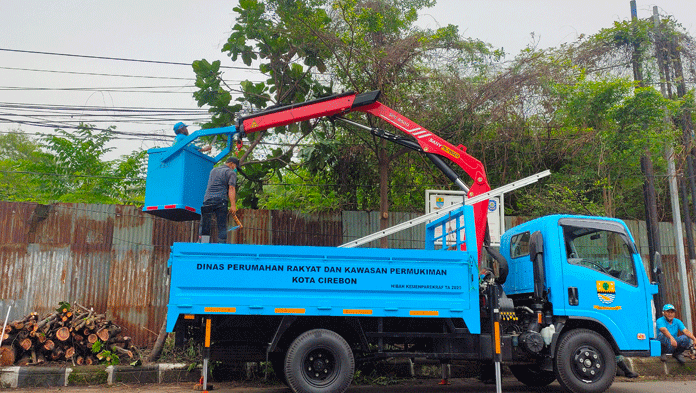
(562, 297)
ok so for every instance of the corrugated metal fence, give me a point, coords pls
(114, 258)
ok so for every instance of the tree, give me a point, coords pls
(17, 153)
(69, 167)
(311, 48)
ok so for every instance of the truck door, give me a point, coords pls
(602, 282)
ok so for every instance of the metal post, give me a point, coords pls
(4, 325)
(206, 354)
(672, 176)
(495, 335)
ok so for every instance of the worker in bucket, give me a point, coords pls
(221, 191)
(181, 131)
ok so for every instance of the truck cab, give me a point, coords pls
(585, 273)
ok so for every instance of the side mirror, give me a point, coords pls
(536, 254)
(657, 263)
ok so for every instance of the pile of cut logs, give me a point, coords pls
(66, 335)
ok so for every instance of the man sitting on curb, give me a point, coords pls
(668, 333)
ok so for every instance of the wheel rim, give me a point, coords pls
(319, 366)
(588, 364)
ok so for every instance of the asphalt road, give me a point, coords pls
(510, 385)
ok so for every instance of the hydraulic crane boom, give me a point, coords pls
(173, 192)
(426, 142)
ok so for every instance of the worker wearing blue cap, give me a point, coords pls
(668, 329)
(181, 131)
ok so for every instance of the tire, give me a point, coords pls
(319, 361)
(278, 363)
(585, 362)
(532, 375)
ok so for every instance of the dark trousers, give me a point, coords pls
(683, 343)
(214, 207)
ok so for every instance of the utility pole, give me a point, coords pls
(652, 226)
(649, 194)
(674, 193)
(635, 60)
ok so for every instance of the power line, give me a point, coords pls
(119, 59)
(96, 74)
(167, 111)
(129, 89)
(113, 75)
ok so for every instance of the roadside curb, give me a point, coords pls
(26, 377)
(29, 376)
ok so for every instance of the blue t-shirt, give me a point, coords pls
(673, 328)
(181, 137)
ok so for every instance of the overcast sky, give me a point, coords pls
(181, 31)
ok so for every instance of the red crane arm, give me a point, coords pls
(431, 143)
(341, 104)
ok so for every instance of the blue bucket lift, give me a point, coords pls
(177, 177)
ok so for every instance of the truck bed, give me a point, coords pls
(236, 279)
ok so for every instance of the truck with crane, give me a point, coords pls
(561, 298)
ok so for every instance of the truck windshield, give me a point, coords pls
(601, 250)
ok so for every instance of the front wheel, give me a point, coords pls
(319, 361)
(585, 362)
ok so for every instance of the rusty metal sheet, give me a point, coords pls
(111, 258)
(256, 228)
(300, 229)
(357, 224)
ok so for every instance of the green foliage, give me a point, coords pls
(69, 167)
(17, 153)
(190, 353)
(90, 378)
(627, 34)
(63, 307)
(299, 191)
(105, 356)
(587, 103)
(373, 377)
(306, 48)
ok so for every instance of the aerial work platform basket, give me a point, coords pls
(177, 176)
(176, 183)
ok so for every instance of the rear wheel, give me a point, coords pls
(532, 375)
(585, 362)
(319, 361)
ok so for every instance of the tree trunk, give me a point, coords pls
(7, 355)
(63, 333)
(49, 345)
(103, 334)
(122, 351)
(159, 344)
(24, 360)
(57, 353)
(26, 344)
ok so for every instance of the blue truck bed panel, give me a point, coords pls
(240, 279)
